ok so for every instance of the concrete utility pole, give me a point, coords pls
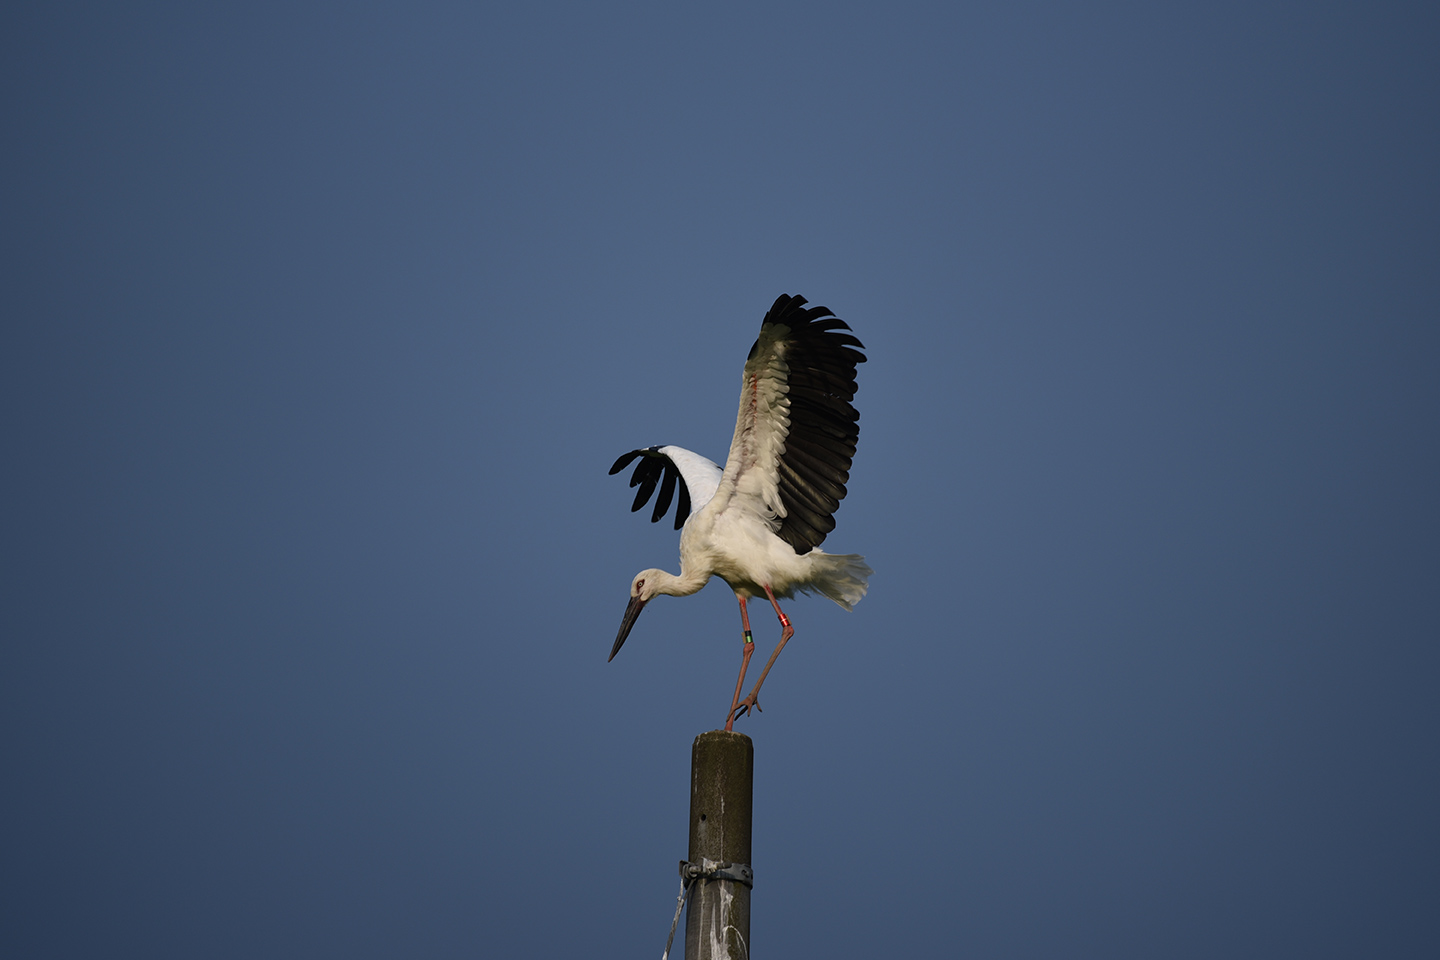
(722, 774)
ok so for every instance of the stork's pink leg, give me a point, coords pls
(786, 633)
(744, 664)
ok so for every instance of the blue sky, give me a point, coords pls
(325, 322)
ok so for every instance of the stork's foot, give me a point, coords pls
(744, 707)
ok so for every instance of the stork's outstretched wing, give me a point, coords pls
(669, 467)
(796, 432)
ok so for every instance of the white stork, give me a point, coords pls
(758, 524)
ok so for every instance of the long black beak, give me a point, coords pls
(632, 613)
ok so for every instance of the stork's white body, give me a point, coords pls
(757, 523)
(729, 536)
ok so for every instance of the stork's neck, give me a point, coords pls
(681, 586)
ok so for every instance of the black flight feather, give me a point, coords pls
(656, 469)
(820, 444)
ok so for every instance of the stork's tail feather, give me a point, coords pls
(843, 578)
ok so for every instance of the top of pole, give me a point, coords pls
(722, 772)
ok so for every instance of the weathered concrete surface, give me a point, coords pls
(722, 774)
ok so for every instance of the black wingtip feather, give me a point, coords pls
(682, 509)
(667, 492)
(824, 424)
(624, 462)
(656, 470)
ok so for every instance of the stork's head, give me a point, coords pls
(645, 586)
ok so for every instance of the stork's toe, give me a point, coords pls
(744, 707)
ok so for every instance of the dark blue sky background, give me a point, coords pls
(324, 322)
